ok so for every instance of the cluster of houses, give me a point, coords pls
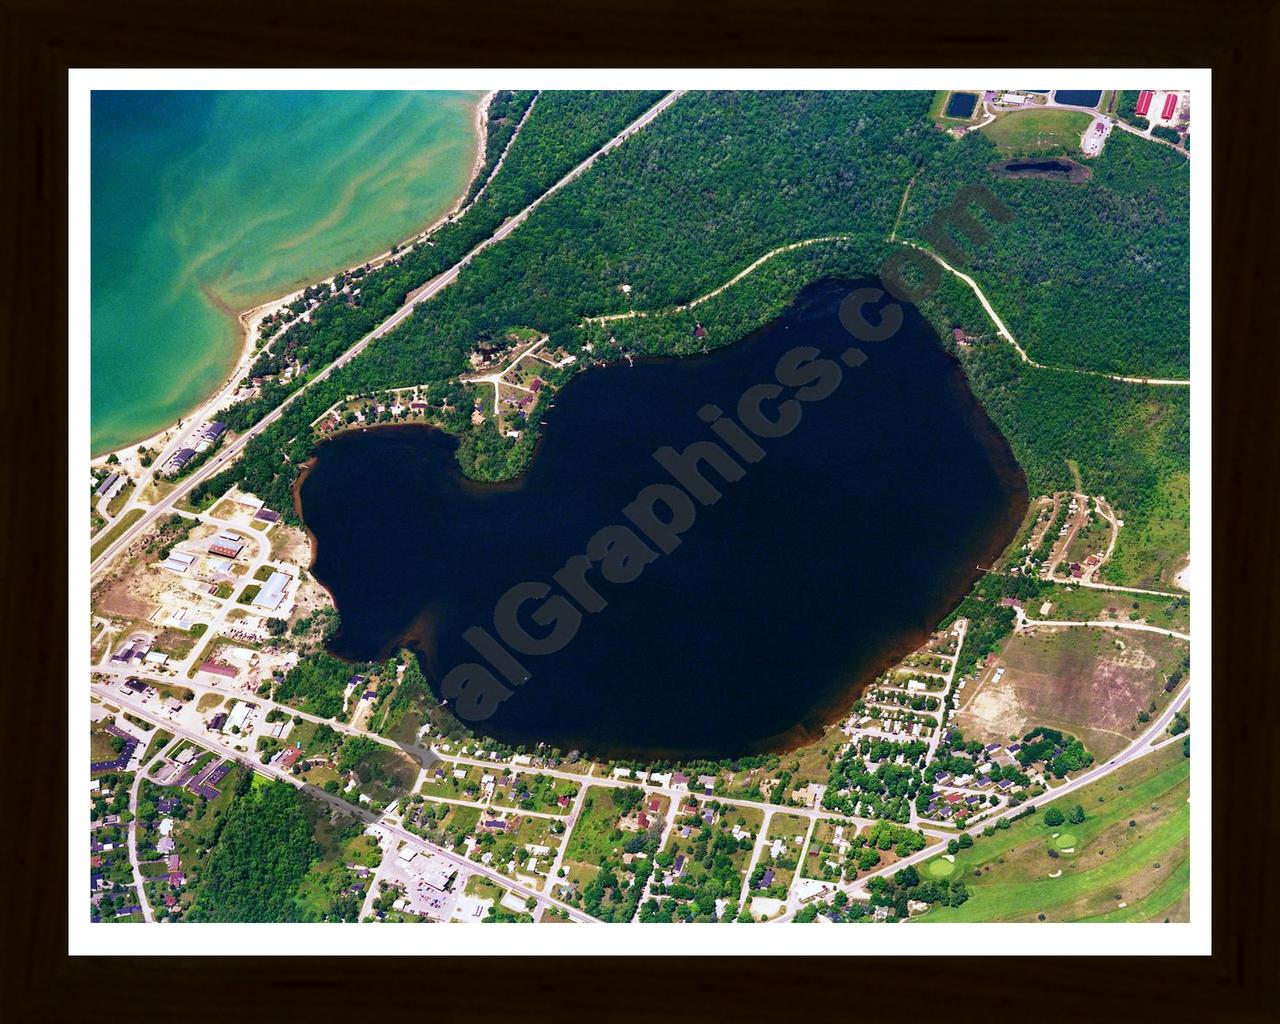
(1085, 570)
(968, 793)
(668, 780)
(107, 855)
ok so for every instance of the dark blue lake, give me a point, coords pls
(831, 557)
(1078, 97)
(961, 104)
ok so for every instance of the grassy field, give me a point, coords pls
(1037, 131)
(1092, 683)
(1127, 861)
(107, 539)
(595, 835)
(157, 743)
(102, 744)
(1083, 604)
(120, 500)
(482, 888)
(1151, 550)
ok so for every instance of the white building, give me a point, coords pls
(239, 717)
(272, 594)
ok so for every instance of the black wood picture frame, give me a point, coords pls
(1238, 39)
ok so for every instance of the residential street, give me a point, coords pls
(1143, 745)
(370, 817)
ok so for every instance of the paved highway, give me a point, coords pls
(135, 707)
(433, 287)
(1143, 745)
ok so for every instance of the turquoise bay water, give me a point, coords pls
(205, 204)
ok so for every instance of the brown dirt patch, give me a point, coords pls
(1085, 682)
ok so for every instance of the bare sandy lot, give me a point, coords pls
(1090, 683)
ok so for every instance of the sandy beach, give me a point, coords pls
(250, 320)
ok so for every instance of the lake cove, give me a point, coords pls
(827, 559)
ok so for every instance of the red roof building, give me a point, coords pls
(1144, 102)
(1170, 105)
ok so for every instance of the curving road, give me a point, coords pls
(1005, 333)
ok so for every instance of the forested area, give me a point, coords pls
(1090, 275)
(261, 852)
(506, 108)
(711, 185)
(316, 684)
(1094, 275)
(563, 130)
(1130, 440)
(707, 188)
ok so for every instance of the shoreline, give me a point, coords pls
(812, 728)
(248, 320)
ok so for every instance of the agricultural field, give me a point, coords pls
(1126, 861)
(1091, 683)
(1037, 131)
